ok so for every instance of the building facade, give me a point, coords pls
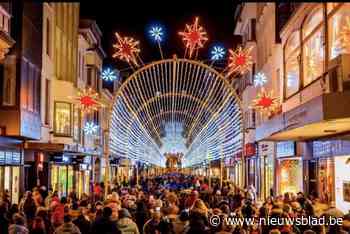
(304, 61)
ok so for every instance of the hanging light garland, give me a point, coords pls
(88, 100)
(240, 61)
(194, 36)
(127, 49)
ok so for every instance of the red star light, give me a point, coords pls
(194, 36)
(88, 100)
(265, 101)
(240, 60)
(127, 49)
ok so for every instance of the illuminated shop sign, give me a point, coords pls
(285, 148)
(10, 158)
(330, 148)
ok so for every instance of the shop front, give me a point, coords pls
(250, 164)
(289, 168)
(342, 182)
(62, 174)
(11, 164)
(324, 158)
(333, 182)
(83, 177)
(266, 176)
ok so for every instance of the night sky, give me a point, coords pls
(131, 18)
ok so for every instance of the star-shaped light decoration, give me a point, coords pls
(265, 101)
(127, 49)
(88, 100)
(156, 33)
(194, 36)
(109, 75)
(217, 53)
(240, 60)
(260, 79)
(90, 128)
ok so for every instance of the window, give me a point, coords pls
(48, 38)
(292, 54)
(47, 101)
(338, 31)
(89, 76)
(76, 125)
(63, 119)
(313, 47)
(8, 71)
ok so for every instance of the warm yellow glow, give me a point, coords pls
(194, 36)
(127, 49)
(240, 61)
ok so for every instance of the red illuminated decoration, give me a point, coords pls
(127, 49)
(240, 61)
(265, 101)
(250, 149)
(88, 100)
(194, 36)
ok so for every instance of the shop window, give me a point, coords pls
(313, 47)
(76, 125)
(292, 67)
(338, 31)
(47, 101)
(63, 119)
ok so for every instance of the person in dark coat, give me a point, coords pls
(82, 222)
(104, 224)
(4, 221)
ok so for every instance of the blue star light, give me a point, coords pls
(90, 128)
(109, 75)
(217, 53)
(156, 33)
(259, 79)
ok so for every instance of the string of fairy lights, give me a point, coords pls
(164, 96)
(174, 104)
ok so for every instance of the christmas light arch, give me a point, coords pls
(176, 101)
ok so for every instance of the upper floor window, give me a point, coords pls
(292, 63)
(48, 37)
(4, 20)
(339, 31)
(313, 46)
(63, 119)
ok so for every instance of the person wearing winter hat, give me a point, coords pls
(125, 224)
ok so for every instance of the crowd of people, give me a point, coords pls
(168, 204)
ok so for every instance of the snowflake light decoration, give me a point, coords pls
(265, 101)
(156, 33)
(127, 49)
(90, 128)
(240, 60)
(109, 75)
(260, 79)
(217, 53)
(88, 100)
(194, 36)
